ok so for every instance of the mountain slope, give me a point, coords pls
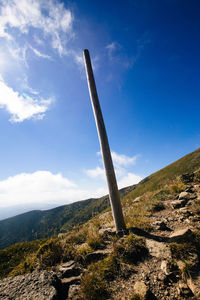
(92, 262)
(42, 224)
(187, 164)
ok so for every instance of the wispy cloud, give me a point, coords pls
(27, 29)
(116, 55)
(48, 17)
(21, 106)
(112, 47)
(18, 53)
(78, 57)
(39, 54)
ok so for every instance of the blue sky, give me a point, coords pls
(146, 62)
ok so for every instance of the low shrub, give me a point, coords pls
(50, 253)
(95, 281)
(177, 186)
(131, 249)
(94, 239)
(24, 267)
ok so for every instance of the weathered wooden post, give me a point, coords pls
(105, 149)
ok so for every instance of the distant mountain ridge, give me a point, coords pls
(39, 224)
(43, 224)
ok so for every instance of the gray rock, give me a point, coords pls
(178, 203)
(181, 235)
(184, 195)
(66, 282)
(158, 249)
(187, 196)
(37, 285)
(69, 269)
(95, 256)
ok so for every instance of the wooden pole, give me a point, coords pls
(105, 149)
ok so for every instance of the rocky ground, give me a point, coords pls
(161, 275)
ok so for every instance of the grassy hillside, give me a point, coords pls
(42, 224)
(14, 255)
(156, 181)
(83, 240)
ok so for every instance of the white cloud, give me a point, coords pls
(97, 172)
(21, 107)
(42, 187)
(129, 179)
(123, 160)
(122, 169)
(18, 53)
(50, 17)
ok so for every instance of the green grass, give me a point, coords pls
(14, 255)
(158, 180)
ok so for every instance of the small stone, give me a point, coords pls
(161, 277)
(141, 289)
(184, 195)
(164, 267)
(166, 293)
(187, 196)
(73, 292)
(69, 269)
(178, 203)
(181, 234)
(136, 199)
